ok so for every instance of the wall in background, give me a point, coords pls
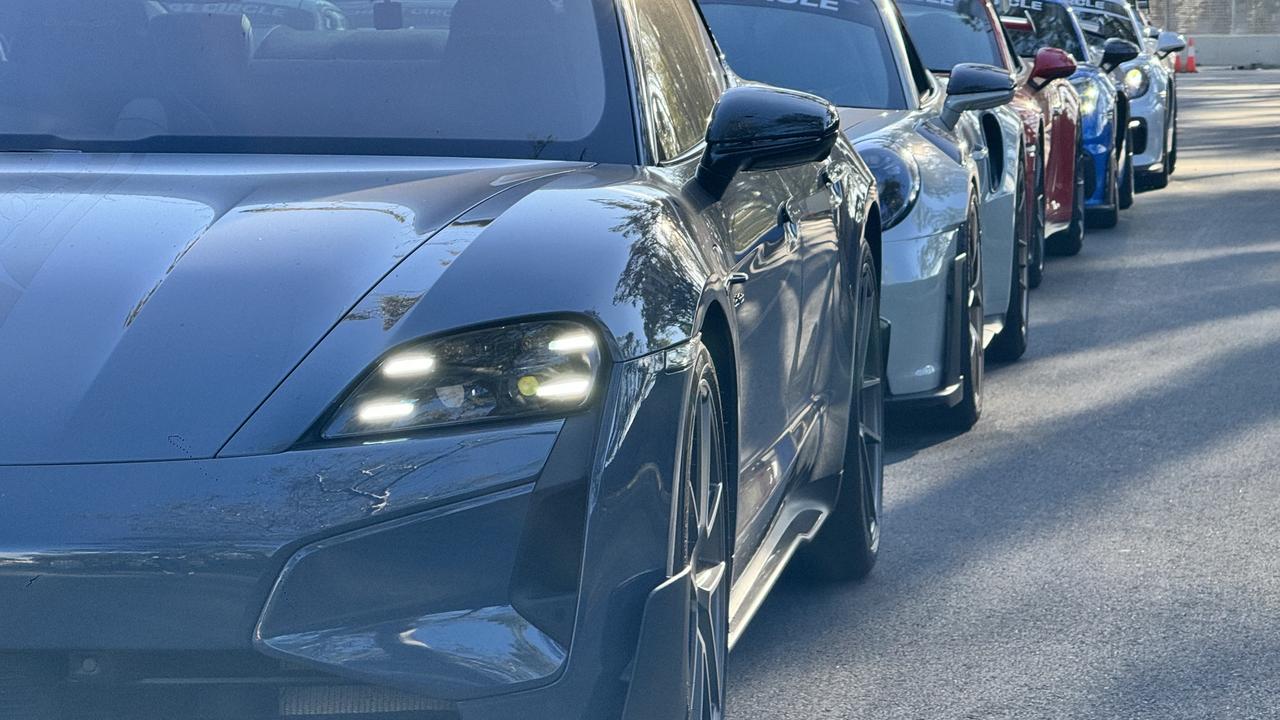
(1227, 32)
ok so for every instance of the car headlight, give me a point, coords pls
(1089, 95)
(1136, 82)
(897, 182)
(514, 371)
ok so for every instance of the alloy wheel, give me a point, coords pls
(1036, 249)
(976, 316)
(702, 545)
(870, 409)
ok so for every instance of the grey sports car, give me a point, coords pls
(920, 141)
(493, 370)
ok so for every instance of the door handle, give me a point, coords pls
(736, 278)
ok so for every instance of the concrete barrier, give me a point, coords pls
(1233, 50)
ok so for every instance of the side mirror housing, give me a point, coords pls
(1169, 42)
(973, 86)
(757, 127)
(1052, 64)
(1116, 52)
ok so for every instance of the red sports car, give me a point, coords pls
(1049, 107)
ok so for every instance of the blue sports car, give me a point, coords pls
(486, 370)
(1106, 153)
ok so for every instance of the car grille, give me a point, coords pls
(192, 686)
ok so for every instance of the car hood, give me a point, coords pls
(861, 122)
(149, 303)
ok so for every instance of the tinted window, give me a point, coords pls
(413, 13)
(1052, 26)
(500, 78)
(950, 32)
(919, 73)
(1102, 20)
(682, 79)
(845, 56)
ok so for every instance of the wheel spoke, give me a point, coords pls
(704, 493)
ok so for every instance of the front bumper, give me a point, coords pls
(486, 574)
(1099, 150)
(1150, 111)
(915, 296)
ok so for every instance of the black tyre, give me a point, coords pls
(701, 538)
(1173, 142)
(847, 546)
(1126, 179)
(965, 414)
(1071, 241)
(1035, 271)
(1011, 343)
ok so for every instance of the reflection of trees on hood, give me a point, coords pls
(655, 278)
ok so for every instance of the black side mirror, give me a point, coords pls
(1116, 52)
(1169, 42)
(973, 86)
(757, 127)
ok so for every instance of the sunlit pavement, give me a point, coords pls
(1106, 543)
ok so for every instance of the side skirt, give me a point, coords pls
(798, 521)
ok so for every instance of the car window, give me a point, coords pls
(950, 32)
(494, 78)
(682, 79)
(1051, 26)
(1102, 20)
(920, 75)
(414, 13)
(845, 57)
(264, 14)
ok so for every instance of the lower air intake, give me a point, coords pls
(321, 701)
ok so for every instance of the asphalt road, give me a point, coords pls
(1106, 542)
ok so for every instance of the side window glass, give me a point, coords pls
(681, 77)
(919, 73)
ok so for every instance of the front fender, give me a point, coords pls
(649, 273)
(997, 212)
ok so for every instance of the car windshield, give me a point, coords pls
(516, 79)
(1051, 26)
(416, 13)
(300, 14)
(950, 32)
(1104, 20)
(845, 57)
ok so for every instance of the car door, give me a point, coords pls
(759, 219)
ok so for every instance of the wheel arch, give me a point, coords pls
(874, 233)
(717, 337)
(1122, 122)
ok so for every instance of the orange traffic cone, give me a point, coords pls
(1191, 55)
(1177, 63)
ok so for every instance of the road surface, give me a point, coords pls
(1106, 542)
